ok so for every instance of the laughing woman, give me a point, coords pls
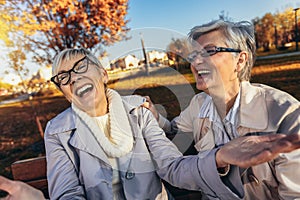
(110, 147)
(96, 149)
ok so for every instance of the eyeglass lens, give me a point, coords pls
(79, 67)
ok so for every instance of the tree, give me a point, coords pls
(45, 27)
(5, 25)
(17, 59)
(177, 50)
(275, 29)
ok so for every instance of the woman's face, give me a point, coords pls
(86, 90)
(215, 73)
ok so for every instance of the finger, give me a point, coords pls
(294, 138)
(289, 143)
(6, 184)
(270, 137)
(146, 104)
(147, 98)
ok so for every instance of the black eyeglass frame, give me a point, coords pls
(210, 52)
(58, 84)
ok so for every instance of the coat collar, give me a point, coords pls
(82, 138)
(253, 111)
(65, 121)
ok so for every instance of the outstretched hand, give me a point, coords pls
(18, 190)
(150, 106)
(248, 151)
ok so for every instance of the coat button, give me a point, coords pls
(129, 175)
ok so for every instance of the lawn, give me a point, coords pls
(170, 90)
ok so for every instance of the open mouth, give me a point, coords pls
(84, 89)
(203, 72)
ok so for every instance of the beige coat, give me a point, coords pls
(263, 110)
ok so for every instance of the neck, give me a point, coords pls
(226, 101)
(100, 109)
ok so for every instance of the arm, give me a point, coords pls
(183, 122)
(276, 147)
(200, 172)
(287, 165)
(63, 181)
(248, 151)
(190, 172)
(18, 190)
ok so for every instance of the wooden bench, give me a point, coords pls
(33, 172)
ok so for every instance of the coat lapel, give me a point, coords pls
(125, 161)
(84, 140)
(253, 111)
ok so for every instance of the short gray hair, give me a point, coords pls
(69, 54)
(239, 35)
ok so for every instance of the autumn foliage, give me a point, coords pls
(45, 27)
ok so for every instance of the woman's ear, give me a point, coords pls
(104, 76)
(242, 60)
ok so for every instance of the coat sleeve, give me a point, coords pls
(63, 181)
(287, 164)
(183, 122)
(196, 172)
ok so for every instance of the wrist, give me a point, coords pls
(219, 161)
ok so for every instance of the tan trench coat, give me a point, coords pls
(263, 110)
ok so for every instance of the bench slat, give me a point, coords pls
(29, 169)
(33, 172)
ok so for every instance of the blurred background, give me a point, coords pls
(140, 43)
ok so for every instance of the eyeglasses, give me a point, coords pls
(209, 51)
(64, 77)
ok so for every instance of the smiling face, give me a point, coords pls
(216, 73)
(86, 89)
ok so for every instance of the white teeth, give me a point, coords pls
(203, 72)
(83, 90)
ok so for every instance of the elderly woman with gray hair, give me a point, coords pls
(230, 107)
(110, 147)
(106, 146)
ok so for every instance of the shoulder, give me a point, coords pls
(274, 94)
(198, 99)
(132, 101)
(61, 123)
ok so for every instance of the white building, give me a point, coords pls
(156, 56)
(127, 62)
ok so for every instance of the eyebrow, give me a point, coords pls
(210, 45)
(74, 64)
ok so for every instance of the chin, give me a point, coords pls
(202, 87)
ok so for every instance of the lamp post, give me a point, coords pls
(275, 35)
(296, 28)
(145, 55)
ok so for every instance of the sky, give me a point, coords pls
(158, 21)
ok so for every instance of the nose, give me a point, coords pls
(198, 60)
(74, 77)
(194, 67)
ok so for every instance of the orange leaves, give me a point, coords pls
(63, 24)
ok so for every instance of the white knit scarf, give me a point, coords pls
(121, 140)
